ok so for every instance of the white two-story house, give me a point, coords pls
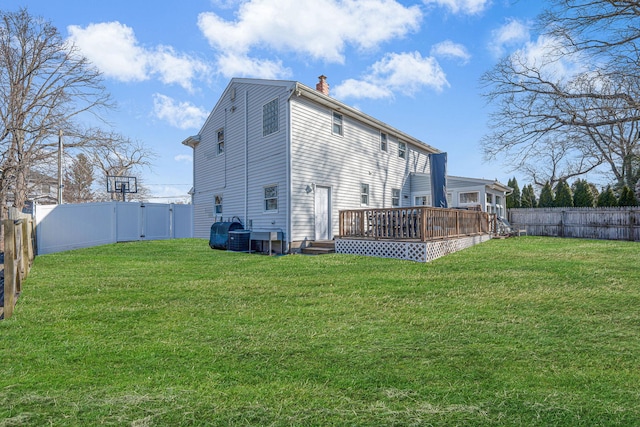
(279, 155)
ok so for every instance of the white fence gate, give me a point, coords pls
(74, 226)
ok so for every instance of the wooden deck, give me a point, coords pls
(418, 223)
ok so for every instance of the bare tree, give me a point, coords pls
(46, 85)
(115, 155)
(556, 123)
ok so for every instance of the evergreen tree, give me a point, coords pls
(563, 197)
(582, 195)
(546, 197)
(514, 199)
(627, 198)
(607, 198)
(528, 199)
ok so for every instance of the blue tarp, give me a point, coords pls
(438, 179)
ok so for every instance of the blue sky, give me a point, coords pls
(415, 65)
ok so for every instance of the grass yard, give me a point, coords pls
(526, 331)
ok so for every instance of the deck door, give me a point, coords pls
(323, 213)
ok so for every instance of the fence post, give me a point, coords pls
(9, 267)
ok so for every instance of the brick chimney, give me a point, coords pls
(322, 85)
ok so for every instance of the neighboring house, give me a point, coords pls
(280, 156)
(471, 193)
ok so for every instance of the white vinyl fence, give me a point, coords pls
(73, 226)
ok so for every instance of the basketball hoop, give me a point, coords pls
(122, 185)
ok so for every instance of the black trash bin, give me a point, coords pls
(219, 237)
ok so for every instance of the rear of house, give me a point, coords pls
(280, 156)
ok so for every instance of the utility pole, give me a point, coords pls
(60, 185)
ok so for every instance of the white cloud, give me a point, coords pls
(512, 33)
(182, 115)
(407, 73)
(549, 57)
(113, 48)
(449, 49)
(469, 7)
(186, 158)
(232, 65)
(320, 30)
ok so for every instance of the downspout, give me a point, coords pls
(246, 158)
(289, 180)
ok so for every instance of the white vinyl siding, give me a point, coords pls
(343, 165)
(227, 174)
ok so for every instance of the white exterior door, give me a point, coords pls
(323, 213)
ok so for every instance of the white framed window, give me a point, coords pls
(383, 141)
(364, 194)
(270, 122)
(395, 197)
(217, 204)
(422, 201)
(220, 143)
(498, 200)
(402, 150)
(271, 198)
(337, 123)
(489, 198)
(469, 197)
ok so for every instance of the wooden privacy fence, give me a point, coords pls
(414, 223)
(18, 257)
(621, 223)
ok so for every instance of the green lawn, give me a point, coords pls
(524, 331)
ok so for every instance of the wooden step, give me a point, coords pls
(313, 250)
(323, 244)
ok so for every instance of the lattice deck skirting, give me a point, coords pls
(413, 251)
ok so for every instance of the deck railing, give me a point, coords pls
(414, 223)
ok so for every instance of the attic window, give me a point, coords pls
(270, 117)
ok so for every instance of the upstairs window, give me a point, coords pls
(383, 141)
(270, 118)
(395, 197)
(402, 150)
(220, 134)
(271, 198)
(364, 194)
(337, 123)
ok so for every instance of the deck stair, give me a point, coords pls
(320, 247)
